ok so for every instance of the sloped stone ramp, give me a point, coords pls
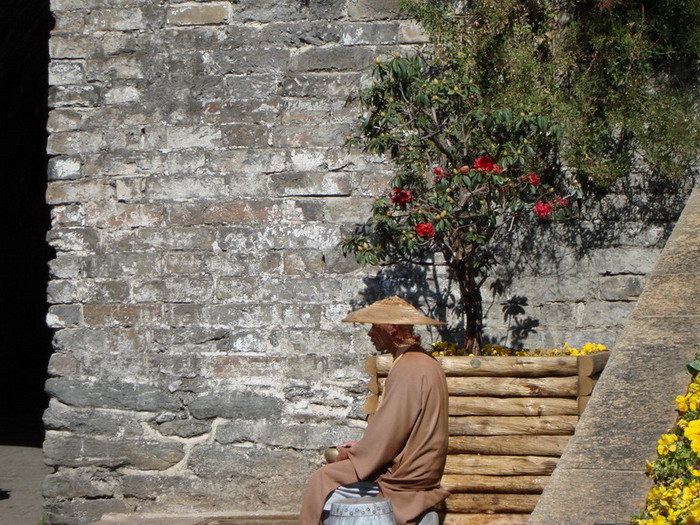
(601, 476)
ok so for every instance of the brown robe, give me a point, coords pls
(403, 447)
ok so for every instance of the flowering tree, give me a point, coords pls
(465, 171)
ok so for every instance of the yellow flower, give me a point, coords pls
(667, 443)
(692, 431)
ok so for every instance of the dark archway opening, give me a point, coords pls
(25, 340)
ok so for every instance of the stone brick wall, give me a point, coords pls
(199, 186)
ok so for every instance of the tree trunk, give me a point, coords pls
(472, 304)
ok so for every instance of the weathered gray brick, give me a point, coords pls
(235, 405)
(198, 14)
(84, 96)
(338, 58)
(110, 394)
(373, 9)
(79, 451)
(64, 315)
(63, 72)
(123, 19)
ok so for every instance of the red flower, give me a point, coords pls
(425, 229)
(401, 197)
(438, 171)
(532, 179)
(561, 202)
(484, 164)
(542, 209)
(464, 169)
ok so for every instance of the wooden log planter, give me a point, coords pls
(509, 421)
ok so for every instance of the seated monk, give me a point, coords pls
(402, 453)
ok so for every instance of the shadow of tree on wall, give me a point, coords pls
(639, 212)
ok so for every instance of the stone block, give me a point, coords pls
(621, 287)
(67, 266)
(235, 405)
(364, 34)
(72, 142)
(373, 9)
(64, 119)
(221, 213)
(210, 13)
(323, 85)
(176, 238)
(122, 95)
(94, 422)
(122, 19)
(184, 263)
(176, 289)
(65, 291)
(87, 482)
(111, 394)
(185, 428)
(187, 137)
(335, 58)
(186, 162)
(219, 462)
(62, 192)
(307, 236)
(182, 314)
(79, 511)
(239, 315)
(64, 315)
(251, 87)
(80, 96)
(303, 262)
(118, 265)
(298, 136)
(274, 434)
(73, 239)
(122, 314)
(606, 314)
(246, 136)
(65, 168)
(70, 46)
(188, 340)
(63, 365)
(274, 60)
(68, 450)
(125, 164)
(67, 216)
(239, 289)
(311, 184)
(186, 188)
(62, 72)
(348, 210)
(231, 263)
(247, 161)
(69, 22)
(287, 289)
(114, 68)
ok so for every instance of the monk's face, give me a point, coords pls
(382, 336)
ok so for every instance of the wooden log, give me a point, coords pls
(494, 503)
(508, 386)
(503, 484)
(371, 365)
(503, 406)
(479, 366)
(512, 406)
(586, 384)
(592, 364)
(511, 425)
(374, 386)
(500, 465)
(523, 445)
(371, 404)
(485, 519)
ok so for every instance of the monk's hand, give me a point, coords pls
(343, 450)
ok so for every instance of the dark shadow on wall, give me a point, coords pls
(639, 212)
(24, 337)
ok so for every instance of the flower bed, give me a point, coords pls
(675, 496)
(442, 348)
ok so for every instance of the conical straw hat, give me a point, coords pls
(392, 310)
